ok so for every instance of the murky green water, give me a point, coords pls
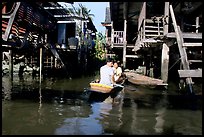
(58, 107)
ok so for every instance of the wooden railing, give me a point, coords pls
(118, 37)
(142, 16)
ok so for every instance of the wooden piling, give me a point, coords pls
(41, 64)
(11, 64)
(165, 62)
(124, 43)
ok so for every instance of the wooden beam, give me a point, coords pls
(124, 43)
(192, 61)
(166, 18)
(190, 73)
(125, 4)
(11, 64)
(192, 44)
(10, 22)
(186, 35)
(180, 42)
(165, 62)
(41, 63)
(132, 56)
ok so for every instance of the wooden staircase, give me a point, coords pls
(151, 31)
(184, 43)
(10, 17)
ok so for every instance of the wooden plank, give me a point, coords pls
(130, 46)
(180, 42)
(11, 63)
(41, 57)
(190, 73)
(165, 62)
(142, 16)
(192, 44)
(6, 16)
(151, 40)
(156, 31)
(131, 56)
(151, 35)
(166, 18)
(191, 61)
(153, 27)
(186, 35)
(124, 43)
(12, 16)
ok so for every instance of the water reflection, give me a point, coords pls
(78, 125)
(40, 104)
(90, 125)
(160, 113)
(7, 85)
(48, 109)
(159, 120)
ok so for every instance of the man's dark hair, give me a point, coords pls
(109, 60)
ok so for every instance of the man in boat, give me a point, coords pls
(107, 73)
(119, 76)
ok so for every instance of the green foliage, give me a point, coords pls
(85, 12)
(100, 46)
(81, 11)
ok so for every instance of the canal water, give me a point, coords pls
(59, 106)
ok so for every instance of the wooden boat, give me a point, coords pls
(99, 92)
(139, 79)
(101, 87)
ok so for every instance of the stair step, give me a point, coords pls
(192, 44)
(6, 16)
(153, 27)
(190, 73)
(154, 31)
(131, 56)
(132, 46)
(151, 40)
(192, 61)
(150, 35)
(186, 35)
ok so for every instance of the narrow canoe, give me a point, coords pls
(99, 92)
(139, 79)
(100, 87)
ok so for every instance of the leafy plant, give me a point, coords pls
(100, 46)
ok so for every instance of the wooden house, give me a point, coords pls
(43, 34)
(157, 35)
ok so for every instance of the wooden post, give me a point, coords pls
(165, 62)
(166, 18)
(125, 5)
(124, 44)
(197, 24)
(40, 64)
(165, 48)
(112, 34)
(182, 50)
(11, 64)
(51, 61)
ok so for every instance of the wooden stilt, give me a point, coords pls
(11, 64)
(165, 63)
(124, 44)
(40, 64)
